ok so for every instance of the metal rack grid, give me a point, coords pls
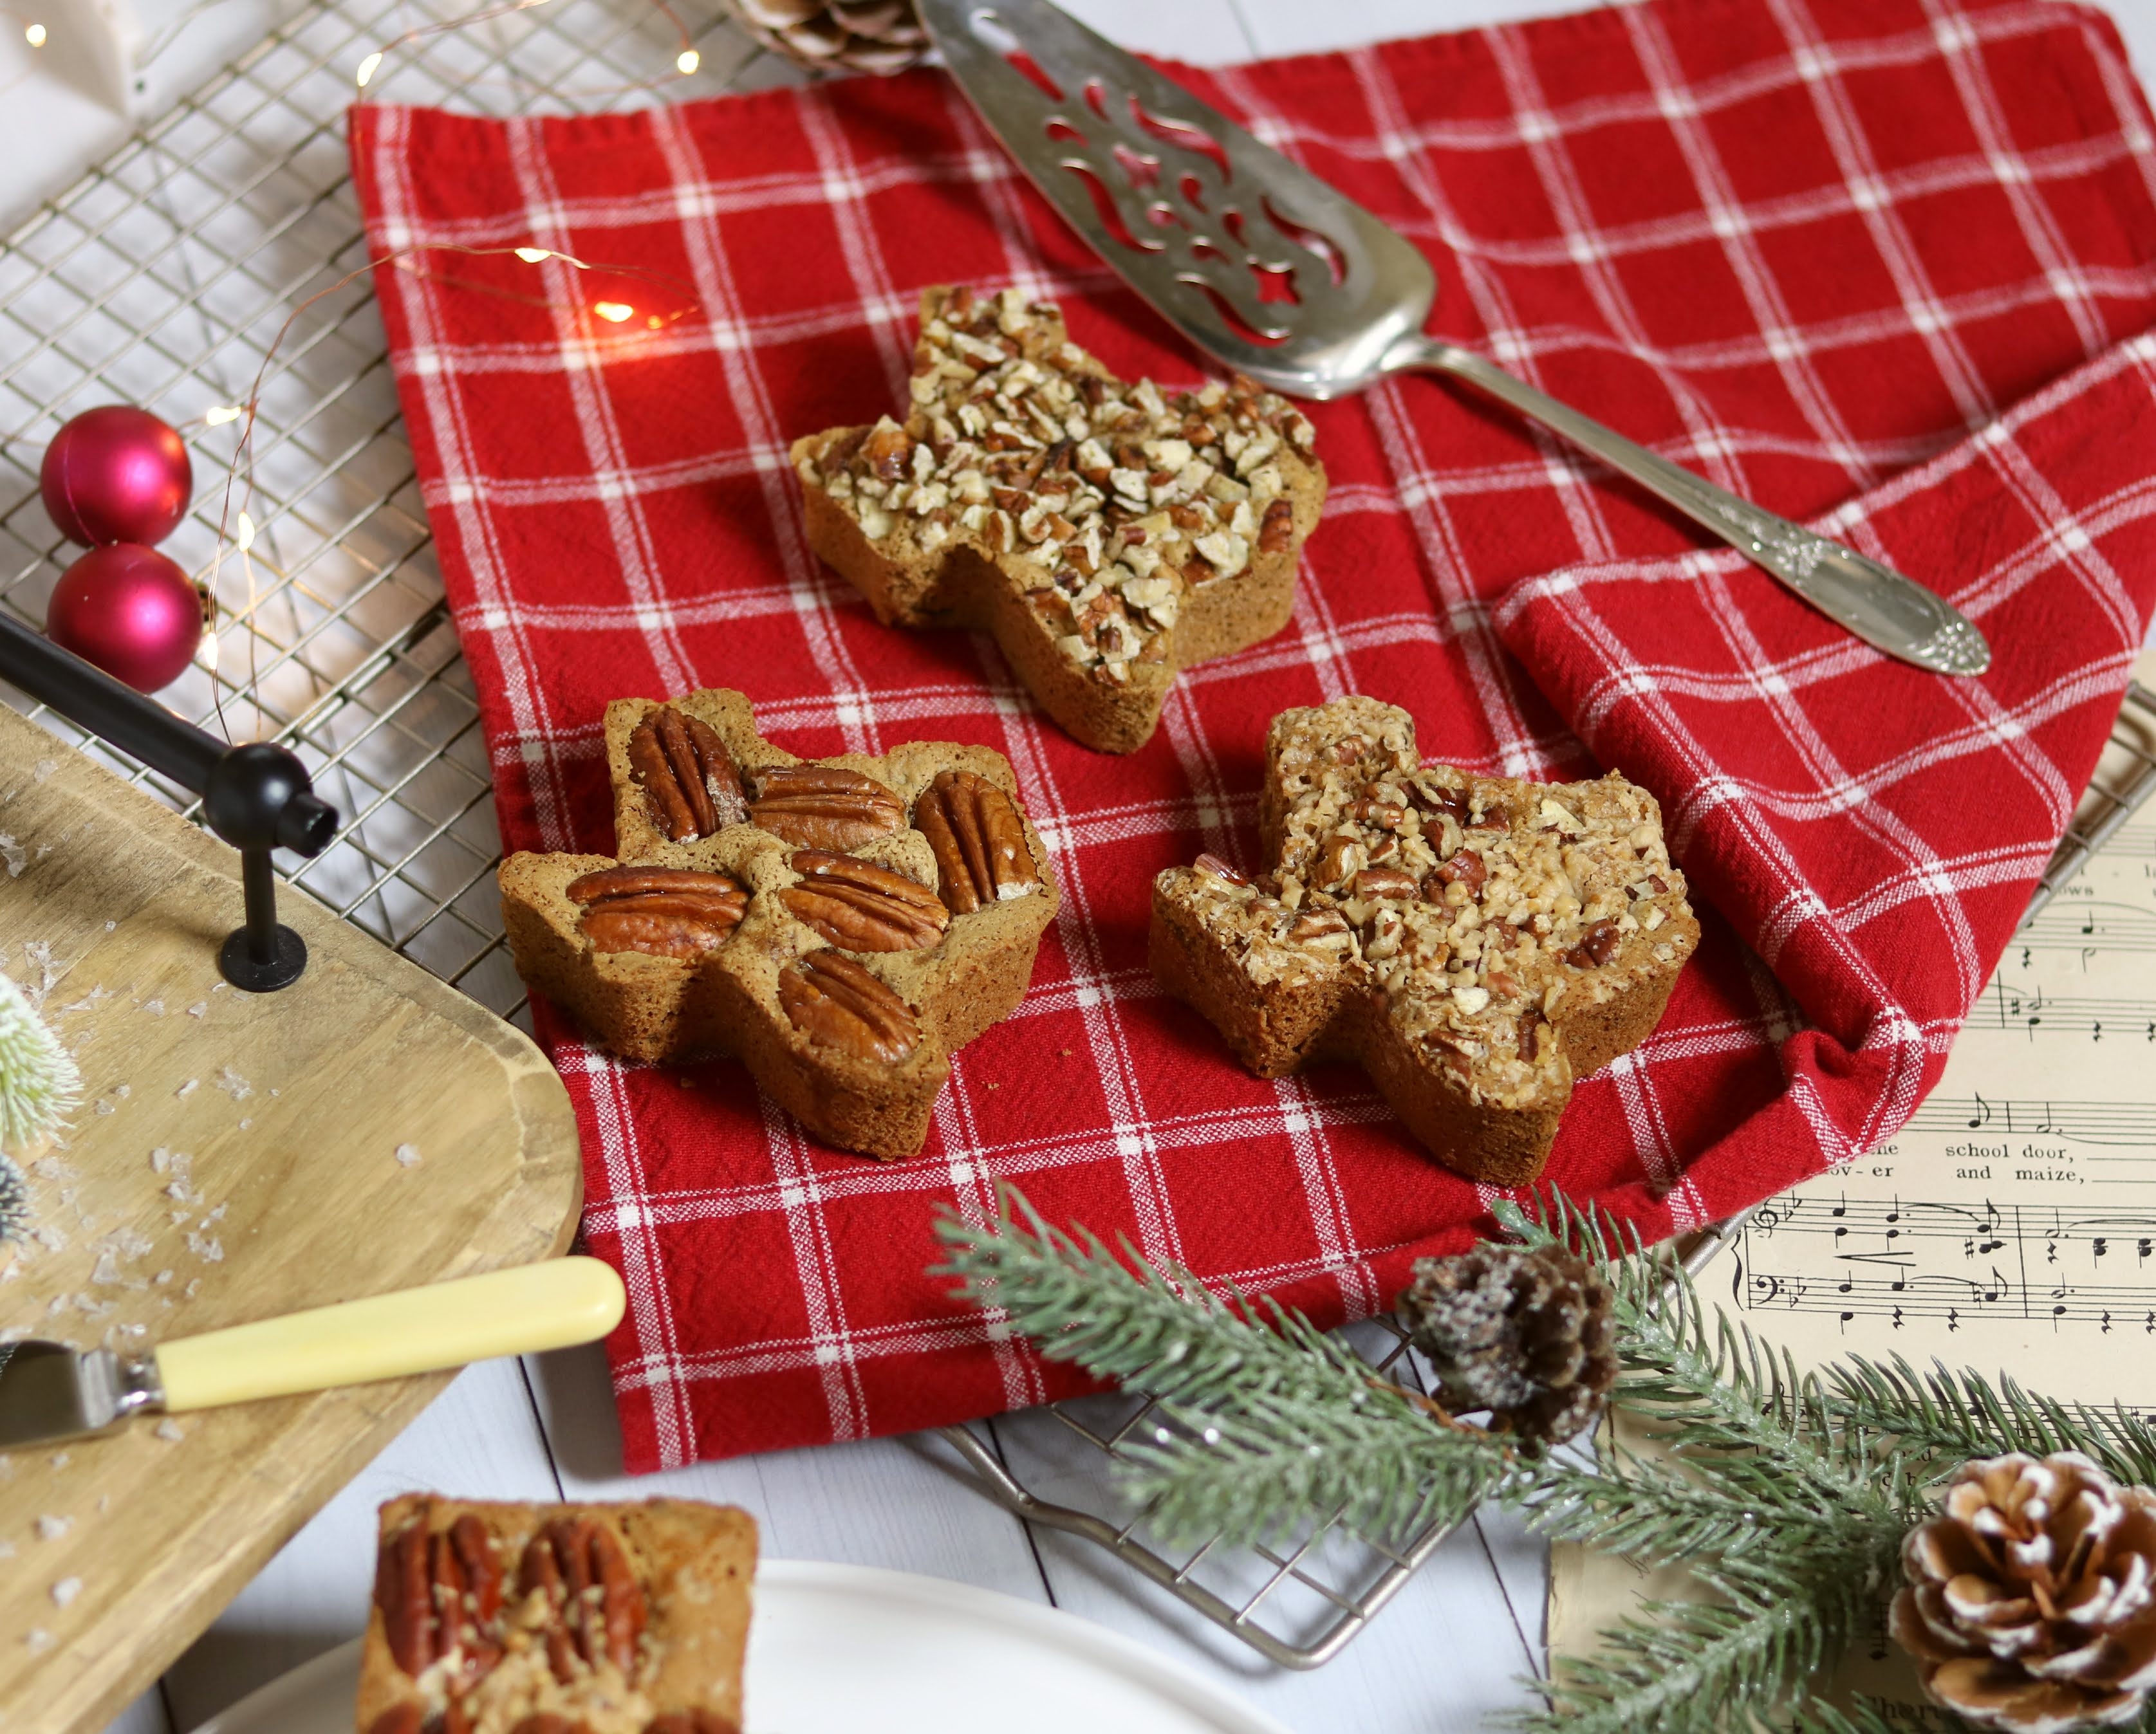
(1298, 1604)
(161, 278)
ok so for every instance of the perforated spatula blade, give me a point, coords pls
(1284, 277)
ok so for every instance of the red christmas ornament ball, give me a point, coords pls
(116, 474)
(131, 611)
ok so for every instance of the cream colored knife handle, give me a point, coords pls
(547, 1305)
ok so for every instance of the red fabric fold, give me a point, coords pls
(1897, 252)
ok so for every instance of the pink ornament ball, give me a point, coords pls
(116, 474)
(129, 610)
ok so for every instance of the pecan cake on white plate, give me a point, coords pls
(508, 1619)
(1107, 534)
(1475, 943)
(840, 924)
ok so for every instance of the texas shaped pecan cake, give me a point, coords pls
(507, 1619)
(1475, 943)
(840, 924)
(1106, 534)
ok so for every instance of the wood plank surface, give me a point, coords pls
(236, 1156)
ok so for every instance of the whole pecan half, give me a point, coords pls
(686, 773)
(666, 912)
(823, 806)
(830, 999)
(595, 1608)
(978, 841)
(1277, 530)
(409, 1717)
(860, 906)
(440, 1595)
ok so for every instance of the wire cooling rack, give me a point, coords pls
(162, 277)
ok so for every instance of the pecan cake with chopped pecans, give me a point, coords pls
(557, 1620)
(1107, 534)
(1475, 943)
(840, 924)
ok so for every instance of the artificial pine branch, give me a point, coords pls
(1787, 1494)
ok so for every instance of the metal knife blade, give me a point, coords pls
(49, 1391)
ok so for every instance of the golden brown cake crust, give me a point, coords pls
(1105, 535)
(1474, 942)
(732, 994)
(517, 1652)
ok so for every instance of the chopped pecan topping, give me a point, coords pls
(666, 912)
(1210, 863)
(1463, 867)
(824, 807)
(686, 773)
(978, 840)
(1385, 882)
(861, 907)
(409, 1717)
(1598, 945)
(830, 999)
(1316, 924)
(595, 1607)
(691, 1721)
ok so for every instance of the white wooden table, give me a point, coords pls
(1449, 1652)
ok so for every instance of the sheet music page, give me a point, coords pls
(2010, 1226)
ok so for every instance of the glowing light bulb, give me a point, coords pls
(35, 36)
(218, 415)
(613, 311)
(245, 538)
(533, 255)
(366, 68)
(688, 61)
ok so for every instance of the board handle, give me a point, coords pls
(547, 1306)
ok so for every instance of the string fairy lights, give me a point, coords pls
(686, 61)
(237, 525)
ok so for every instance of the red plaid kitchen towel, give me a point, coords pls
(1897, 250)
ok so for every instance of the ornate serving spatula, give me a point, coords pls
(1270, 270)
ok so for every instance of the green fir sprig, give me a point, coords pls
(1785, 1493)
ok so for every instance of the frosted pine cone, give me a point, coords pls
(876, 36)
(1523, 1331)
(2031, 1600)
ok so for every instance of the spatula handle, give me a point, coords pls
(547, 1305)
(1877, 603)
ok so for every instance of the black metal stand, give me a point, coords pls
(257, 798)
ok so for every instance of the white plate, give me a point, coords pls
(836, 1647)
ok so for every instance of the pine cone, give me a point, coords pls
(876, 36)
(2030, 1606)
(1521, 1331)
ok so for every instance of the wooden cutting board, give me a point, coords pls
(236, 1156)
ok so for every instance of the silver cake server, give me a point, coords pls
(1266, 268)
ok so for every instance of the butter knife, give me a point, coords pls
(50, 1391)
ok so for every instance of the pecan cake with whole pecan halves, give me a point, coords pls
(842, 925)
(557, 1620)
(1105, 533)
(1475, 943)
